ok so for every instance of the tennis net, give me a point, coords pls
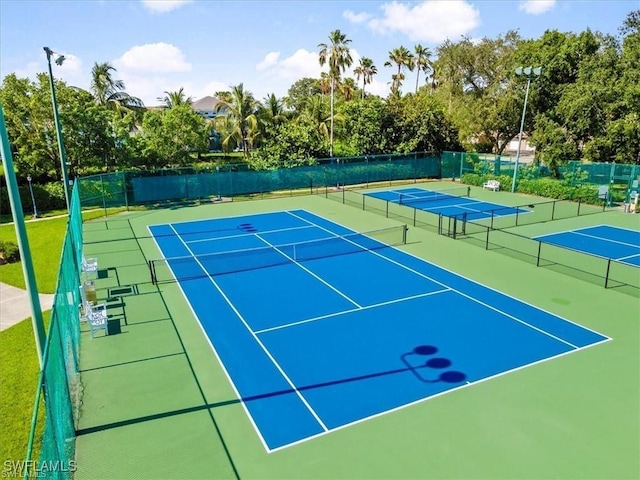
(190, 267)
(446, 195)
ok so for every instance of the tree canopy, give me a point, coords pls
(585, 105)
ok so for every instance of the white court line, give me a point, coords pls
(248, 234)
(473, 299)
(478, 283)
(421, 400)
(436, 207)
(622, 259)
(215, 352)
(606, 239)
(264, 349)
(309, 271)
(410, 403)
(337, 314)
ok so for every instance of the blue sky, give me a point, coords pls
(206, 46)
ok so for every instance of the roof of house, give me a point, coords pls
(205, 103)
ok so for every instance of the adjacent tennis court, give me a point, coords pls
(319, 327)
(446, 204)
(619, 244)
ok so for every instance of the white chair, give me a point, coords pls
(96, 316)
(491, 185)
(90, 265)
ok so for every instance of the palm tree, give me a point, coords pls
(109, 92)
(338, 56)
(240, 112)
(403, 59)
(224, 96)
(422, 61)
(324, 84)
(271, 111)
(315, 113)
(173, 99)
(366, 70)
(348, 88)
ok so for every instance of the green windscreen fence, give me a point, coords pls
(52, 455)
(621, 179)
(185, 184)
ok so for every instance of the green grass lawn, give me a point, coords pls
(19, 368)
(18, 384)
(45, 242)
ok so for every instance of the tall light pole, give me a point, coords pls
(33, 199)
(23, 240)
(56, 118)
(530, 73)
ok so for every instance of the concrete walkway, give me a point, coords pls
(14, 305)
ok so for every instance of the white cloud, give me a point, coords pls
(537, 7)
(302, 63)
(163, 6)
(430, 21)
(209, 89)
(71, 66)
(270, 60)
(376, 87)
(153, 58)
(356, 17)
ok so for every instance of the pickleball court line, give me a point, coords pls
(353, 310)
(626, 257)
(606, 239)
(461, 206)
(508, 315)
(545, 239)
(428, 200)
(255, 337)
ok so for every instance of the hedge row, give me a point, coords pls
(49, 196)
(10, 251)
(543, 187)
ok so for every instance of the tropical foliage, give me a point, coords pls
(584, 105)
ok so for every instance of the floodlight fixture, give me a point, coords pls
(56, 120)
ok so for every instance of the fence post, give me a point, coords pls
(553, 209)
(124, 187)
(539, 249)
(104, 201)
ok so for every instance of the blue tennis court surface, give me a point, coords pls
(323, 342)
(620, 244)
(446, 204)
